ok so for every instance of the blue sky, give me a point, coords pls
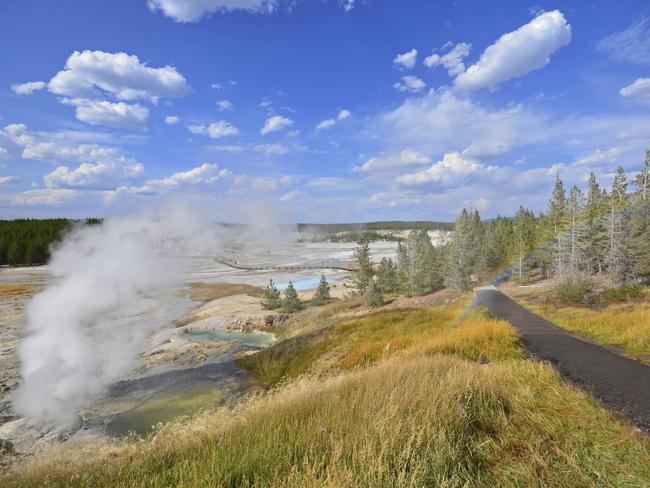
(326, 110)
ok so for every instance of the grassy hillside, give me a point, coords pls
(391, 398)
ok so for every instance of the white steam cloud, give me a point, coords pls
(113, 284)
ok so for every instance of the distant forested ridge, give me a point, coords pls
(26, 242)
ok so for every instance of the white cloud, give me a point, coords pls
(344, 114)
(8, 180)
(207, 173)
(287, 197)
(406, 60)
(452, 61)
(639, 90)
(118, 74)
(405, 158)
(482, 204)
(194, 10)
(632, 44)
(519, 52)
(347, 5)
(264, 183)
(43, 196)
(99, 112)
(28, 88)
(326, 124)
(453, 167)
(269, 149)
(275, 123)
(224, 105)
(215, 130)
(411, 84)
(94, 176)
(172, 119)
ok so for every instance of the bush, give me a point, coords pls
(621, 294)
(575, 290)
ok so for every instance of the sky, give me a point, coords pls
(322, 110)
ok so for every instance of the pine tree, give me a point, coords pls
(640, 240)
(557, 215)
(291, 302)
(271, 298)
(387, 276)
(322, 293)
(419, 268)
(618, 259)
(595, 234)
(363, 274)
(575, 206)
(524, 241)
(373, 297)
(499, 241)
(461, 258)
(642, 180)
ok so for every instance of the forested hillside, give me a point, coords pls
(26, 242)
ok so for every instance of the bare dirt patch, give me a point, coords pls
(206, 292)
(18, 290)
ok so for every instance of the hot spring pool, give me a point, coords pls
(253, 339)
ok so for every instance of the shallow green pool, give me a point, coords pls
(253, 339)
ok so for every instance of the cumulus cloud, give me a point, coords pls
(452, 61)
(101, 112)
(632, 44)
(207, 173)
(8, 180)
(41, 196)
(215, 130)
(639, 90)
(172, 119)
(406, 157)
(194, 10)
(275, 123)
(451, 168)
(517, 53)
(411, 84)
(326, 124)
(118, 74)
(28, 88)
(406, 60)
(95, 176)
(344, 114)
(224, 105)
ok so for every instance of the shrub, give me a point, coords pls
(621, 294)
(574, 290)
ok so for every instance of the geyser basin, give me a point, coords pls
(252, 339)
(165, 407)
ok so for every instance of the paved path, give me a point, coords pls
(618, 382)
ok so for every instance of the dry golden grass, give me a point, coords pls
(18, 289)
(427, 414)
(205, 292)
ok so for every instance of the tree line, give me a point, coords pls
(583, 233)
(26, 242)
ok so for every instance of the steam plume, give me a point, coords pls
(113, 284)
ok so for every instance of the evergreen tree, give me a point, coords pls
(575, 206)
(322, 293)
(595, 234)
(387, 276)
(524, 241)
(642, 180)
(373, 296)
(640, 240)
(499, 239)
(271, 298)
(419, 268)
(557, 216)
(618, 259)
(461, 258)
(291, 302)
(363, 274)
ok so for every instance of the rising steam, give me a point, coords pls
(113, 284)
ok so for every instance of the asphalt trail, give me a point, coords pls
(618, 382)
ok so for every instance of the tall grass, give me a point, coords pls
(387, 400)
